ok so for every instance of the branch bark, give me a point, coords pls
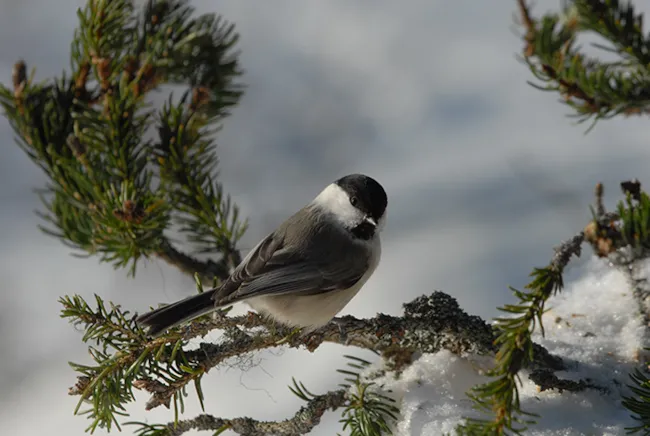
(429, 324)
(189, 265)
(546, 380)
(302, 422)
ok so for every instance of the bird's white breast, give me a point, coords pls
(313, 311)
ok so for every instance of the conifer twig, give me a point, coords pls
(517, 350)
(628, 259)
(302, 422)
(595, 89)
(187, 264)
(429, 324)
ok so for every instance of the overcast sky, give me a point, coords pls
(484, 176)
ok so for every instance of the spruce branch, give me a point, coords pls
(368, 412)
(612, 235)
(303, 421)
(595, 89)
(124, 358)
(86, 131)
(639, 402)
(625, 241)
(630, 246)
(187, 160)
(516, 349)
(115, 194)
(194, 50)
(618, 23)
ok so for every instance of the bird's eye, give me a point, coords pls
(354, 201)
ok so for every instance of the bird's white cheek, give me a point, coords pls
(349, 215)
(335, 200)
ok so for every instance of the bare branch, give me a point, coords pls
(302, 422)
(600, 205)
(546, 380)
(207, 270)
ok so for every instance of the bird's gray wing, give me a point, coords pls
(273, 268)
(254, 262)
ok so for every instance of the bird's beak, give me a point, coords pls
(370, 220)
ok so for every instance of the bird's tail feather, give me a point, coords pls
(163, 318)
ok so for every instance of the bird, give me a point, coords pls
(306, 271)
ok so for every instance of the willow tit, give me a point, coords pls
(308, 269)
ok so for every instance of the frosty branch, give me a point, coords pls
(302, 422)
(429, 324)
(595, 90)
(365, 412)
(623, 237)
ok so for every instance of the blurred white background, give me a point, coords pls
(484, 175)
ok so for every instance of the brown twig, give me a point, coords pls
(302, 422)
(600, 205)
(19, 77)
(568, 89)
(529, 24)
(187, 264)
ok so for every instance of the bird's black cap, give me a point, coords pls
(369, 194)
